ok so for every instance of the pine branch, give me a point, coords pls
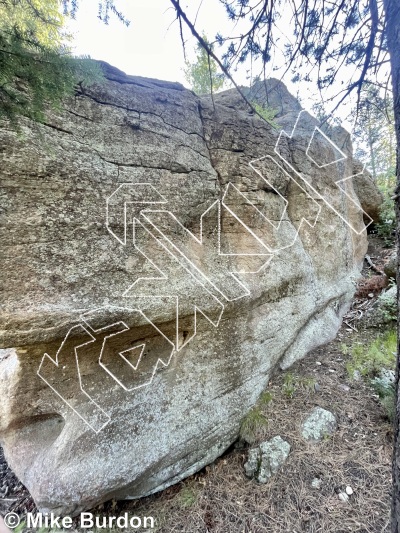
(182, 15)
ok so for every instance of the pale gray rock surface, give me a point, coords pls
(390, 267)
(252, 465)
(319, 424)
(273, 455)
(265, 460)
(365, 187)
(165, 413)
(368, 193)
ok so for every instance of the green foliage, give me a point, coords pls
(255, 422)
(375, 139)
(289, 385)
(370, 359)
(39, 20)
(386, 227)
(344, 349)
(106, 8)
(187, 497)
(292, 383)
(308, 383)
(20, 527)
(38, 78)
(202, 74)
(266, 112)
(386, 391)
(253, 425)
(36, 69)
(374, 362)
(374, 131)
(388, 306)
(265, 398)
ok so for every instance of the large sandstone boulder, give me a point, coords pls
(130, 350)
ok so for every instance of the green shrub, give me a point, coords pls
(308, 383)
(370, 359)
(384, 387)
(252, 425)
(386, 227)
(376, 363)
(292, 383)
(265, 398)
(268, 113)
(187, 497)
(289, 385)
(388, 306)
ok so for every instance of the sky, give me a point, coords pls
(151, 46)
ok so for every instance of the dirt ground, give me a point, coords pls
(220, 499)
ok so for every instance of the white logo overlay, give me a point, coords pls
(199, 275)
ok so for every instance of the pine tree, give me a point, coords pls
(36, 68)
(374, 132)
(202, 75)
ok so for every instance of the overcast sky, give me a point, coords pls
(151, 46)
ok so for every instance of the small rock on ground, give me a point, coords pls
(265, 460)
(318, 424)
(316, 483)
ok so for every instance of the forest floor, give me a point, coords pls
(220, 499)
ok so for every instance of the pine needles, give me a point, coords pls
(36, 69)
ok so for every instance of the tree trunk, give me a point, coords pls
(392, 19)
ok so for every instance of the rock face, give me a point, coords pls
(368, 193)
(153, 279)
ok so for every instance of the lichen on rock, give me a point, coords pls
(318, 425)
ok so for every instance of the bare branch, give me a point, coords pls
(181, 14)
